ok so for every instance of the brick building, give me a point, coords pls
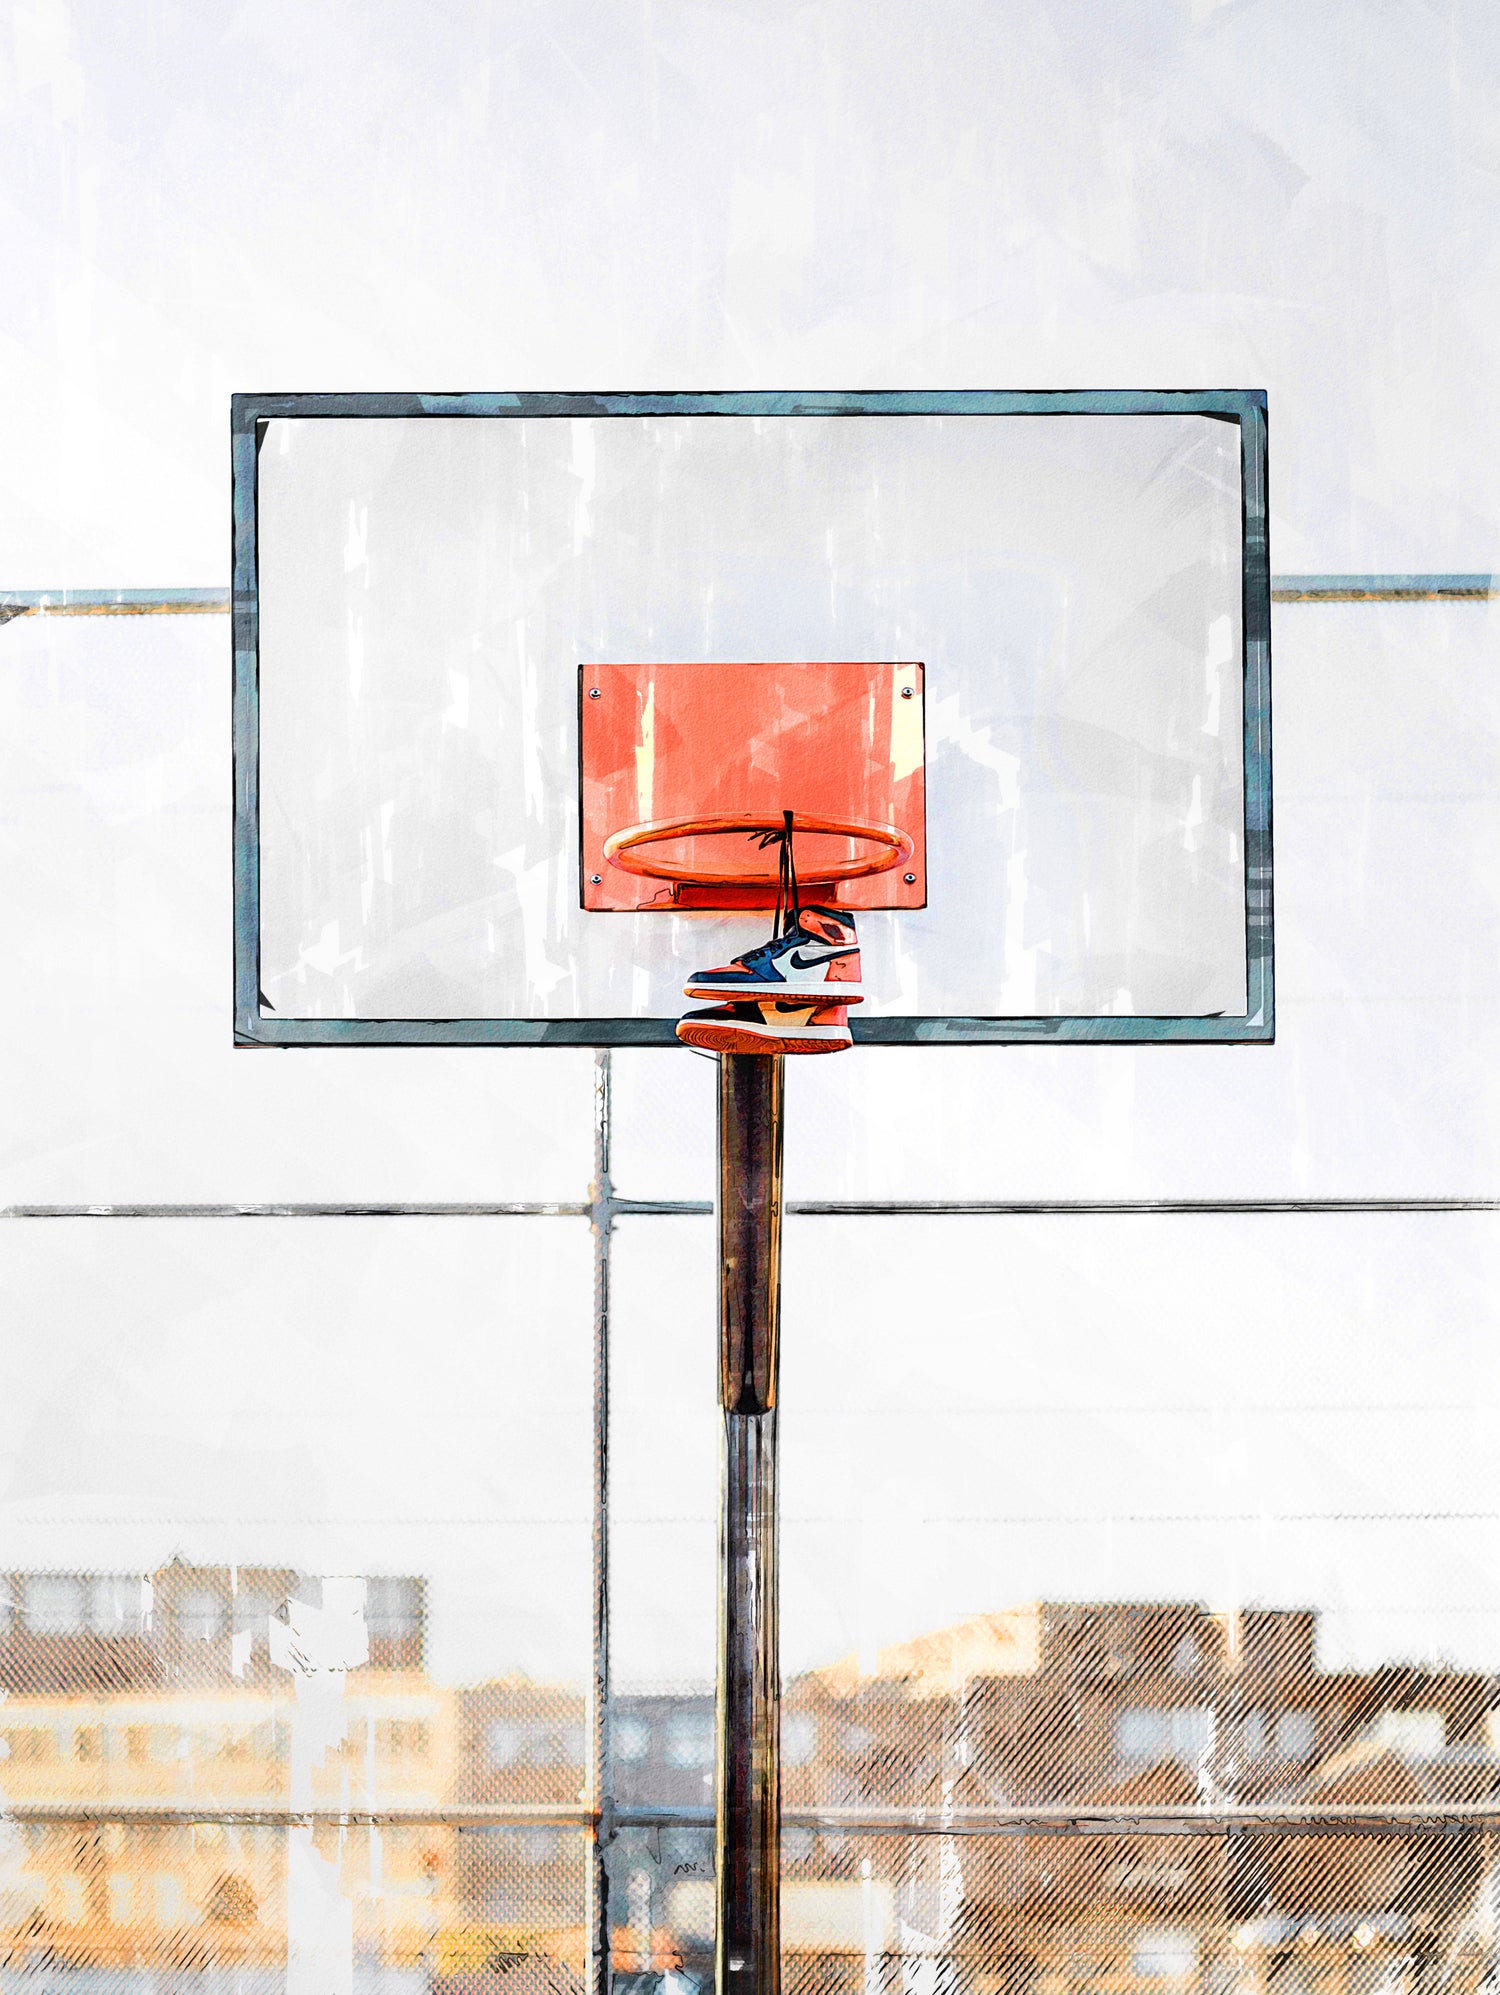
(131, 1702)
(1077, 1710)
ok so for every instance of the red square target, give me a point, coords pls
(688, 771)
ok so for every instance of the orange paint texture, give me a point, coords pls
(841, 741)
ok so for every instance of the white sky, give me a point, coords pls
(586, 195)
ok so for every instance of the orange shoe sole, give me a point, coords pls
(725, 1036)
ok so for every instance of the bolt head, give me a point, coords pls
(593, 692)
(910, 879)
(595, 878)
(906, 692)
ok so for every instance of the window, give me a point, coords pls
(393, 1608)
(166, 1898)
(502, 1742)
(1164, 1953)
(1417, 1734)
(33, 1742)
(799, 1738)
(690, 1739)
(251, 1613)
(1296, 1734)
(56, 1603)
(238, 1744)
(632, 1739)
(1141, 1734)
(1181, 1732)
(513, 1744)
(200, 1617)
(408, 1738)
(117, 1604)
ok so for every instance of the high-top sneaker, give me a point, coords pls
(818, 956)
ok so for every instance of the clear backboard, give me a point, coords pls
(429, 589)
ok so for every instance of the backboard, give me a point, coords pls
(1026, 634)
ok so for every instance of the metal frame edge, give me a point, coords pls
(1247, 408)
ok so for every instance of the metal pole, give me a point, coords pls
(747, 1954)
(601, 1222)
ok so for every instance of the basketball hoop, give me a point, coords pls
(633, 850)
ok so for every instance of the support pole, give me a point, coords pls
(747, 1954)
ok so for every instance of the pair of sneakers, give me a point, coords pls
(791, 995)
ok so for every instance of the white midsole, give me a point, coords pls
(778, 993)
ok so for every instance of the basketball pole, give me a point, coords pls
(747, 1814)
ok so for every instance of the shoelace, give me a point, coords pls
(788, 899)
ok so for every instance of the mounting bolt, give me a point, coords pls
(910, 879)
(595, 878)
(906, 692)
(593, 692)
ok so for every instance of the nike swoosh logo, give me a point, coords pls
(800, 962)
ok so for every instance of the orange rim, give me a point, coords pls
(631, 849)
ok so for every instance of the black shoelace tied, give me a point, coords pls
(788, 897)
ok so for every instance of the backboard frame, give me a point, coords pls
(257, 1026)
